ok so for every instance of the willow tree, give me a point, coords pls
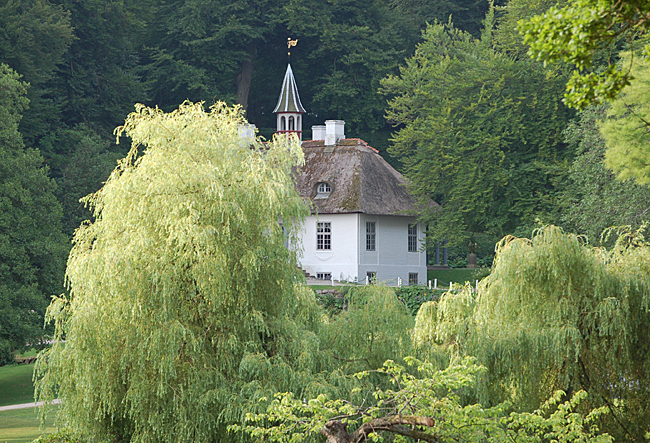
(626, 129)
(181, 292)
(554, 314)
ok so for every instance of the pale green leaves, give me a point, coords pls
(626, 128)
(182, 291)
(556, 313)
(431, 399)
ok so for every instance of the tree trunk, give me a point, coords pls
(245, 76)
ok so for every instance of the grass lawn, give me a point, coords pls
(445, 276)
(22, 425)
(16, 384)
(321, 287)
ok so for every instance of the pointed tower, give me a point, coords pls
(289, 109)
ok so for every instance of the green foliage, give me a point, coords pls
(575, 32)
(60, 436)
(34, 37)
(431, 403)
(374, 328)
(507, 36)
(32, 246)
(333, 303)
(84, 165)
(102, 76)
(592, 199)
(197, 50)
(554, 314)
(181, 291)
(467, 16)
(625, 129)
(414, 296)
(480, 133)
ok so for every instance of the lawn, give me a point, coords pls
(16, 384)
(22, 425)
(461, 275)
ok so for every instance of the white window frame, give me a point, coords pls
(324, 188)
(371, 236)
(324, 236)
(413, 237)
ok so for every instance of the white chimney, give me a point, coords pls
(318, 132)
(334, 131)
(247, 133)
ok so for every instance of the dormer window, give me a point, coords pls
(323, 190)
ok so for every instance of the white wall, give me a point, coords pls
(342, 260)
(391, 258)
(348, 258)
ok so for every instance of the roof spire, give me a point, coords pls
(289, 110)
(289, 100)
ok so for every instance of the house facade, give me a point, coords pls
(362, 226)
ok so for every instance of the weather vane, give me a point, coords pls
(291, 43)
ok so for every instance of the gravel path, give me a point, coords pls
(26, 405)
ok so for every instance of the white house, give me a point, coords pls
(362, 222)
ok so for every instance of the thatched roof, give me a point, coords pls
(360, 180)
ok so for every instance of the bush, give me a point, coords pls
(414, 296)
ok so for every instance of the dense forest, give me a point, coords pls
(445, 89)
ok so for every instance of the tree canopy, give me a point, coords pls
(425, 406)
(576, 31)
(591, 198)
(556, 313)
(182, 283)
(32, 245)
(625, 129)
(479, 132)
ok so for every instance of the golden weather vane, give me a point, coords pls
(291, 43)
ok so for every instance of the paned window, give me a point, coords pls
(413, 238)
(324, 275)
(413, 278)
(372, 276)
(370, 236)
(324, 236)
(323, 190)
